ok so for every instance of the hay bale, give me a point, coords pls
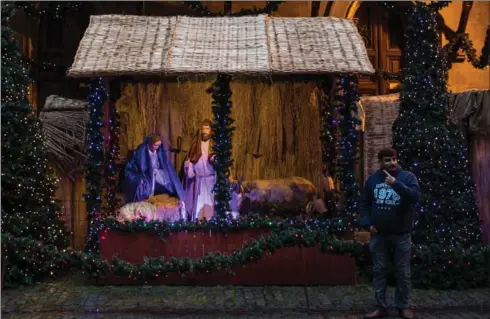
(167, 207)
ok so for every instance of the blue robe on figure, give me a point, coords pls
(156, 172)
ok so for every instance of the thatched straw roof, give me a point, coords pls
(118, 45)
(64, 127)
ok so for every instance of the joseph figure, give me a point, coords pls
(200, 175)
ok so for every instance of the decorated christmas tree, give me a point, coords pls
(28, 184)
(427, 146)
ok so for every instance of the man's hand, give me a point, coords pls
(389, 179)
(142, 182)
(372, 230)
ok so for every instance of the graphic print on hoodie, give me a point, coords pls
(390, 208)
(385, 197)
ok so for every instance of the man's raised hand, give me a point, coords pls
(389, 179)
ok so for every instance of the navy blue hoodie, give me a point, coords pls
(390, 209)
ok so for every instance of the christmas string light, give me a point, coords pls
(329, 126)
(436, 153)
(222, 136)
(112, 202)
(44, 66)
(202, 11)
(29, 210)
(347, 98)
(95, 164)
(28, 257)
(432, 266)
(329, 136)
(53, 10)
(162, 228)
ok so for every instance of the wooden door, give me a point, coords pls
(383, 36)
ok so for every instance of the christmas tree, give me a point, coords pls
(28, 185)
(427, 146)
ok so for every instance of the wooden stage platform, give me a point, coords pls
(286, 266)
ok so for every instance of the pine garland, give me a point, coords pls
(112, 202)
(438, 5)
(30, 261)
(251, 252)
(348, 97)
(460, 41)
(222, 136)
(432, 266)
(200, 10)
(463, 41)
(329, 125)
(52, 10)
(162, 228)
(95, 164)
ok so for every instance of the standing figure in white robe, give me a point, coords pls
(200, 175)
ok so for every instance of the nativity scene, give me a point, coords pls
(201, 143)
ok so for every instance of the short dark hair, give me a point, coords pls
(206, 122)
(387, 152)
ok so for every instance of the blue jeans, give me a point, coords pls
(381, 247)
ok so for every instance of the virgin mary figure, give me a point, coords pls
(150, 173)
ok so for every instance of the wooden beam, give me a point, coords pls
(227, 8)
(465, 14)
(328, 8)
(463, 22)
(315, 8)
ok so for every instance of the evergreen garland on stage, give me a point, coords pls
(437, 155)
(95, 164)
(222, 136)
(433, 266)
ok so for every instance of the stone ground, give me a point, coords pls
(72, 297)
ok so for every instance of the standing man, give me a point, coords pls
(387, 210)
(200, 175)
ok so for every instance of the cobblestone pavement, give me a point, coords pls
(453, 314)
(71, 297)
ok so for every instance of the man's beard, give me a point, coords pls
(204, 137)
(391, 168)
